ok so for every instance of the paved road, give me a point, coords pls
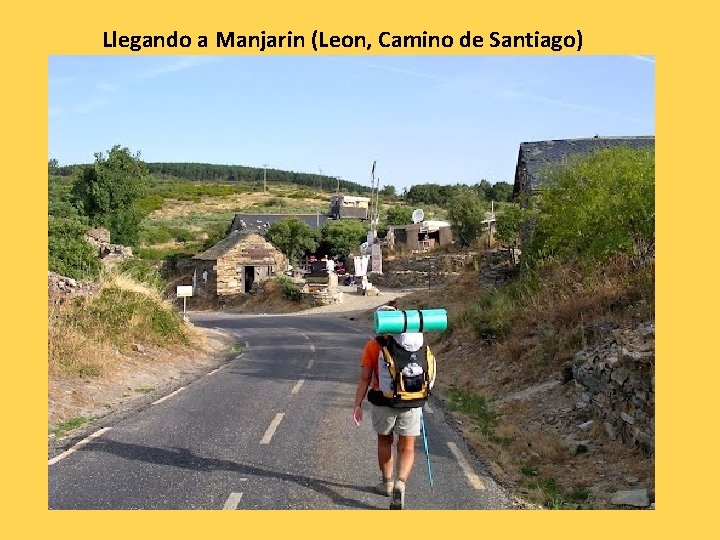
(271, 429)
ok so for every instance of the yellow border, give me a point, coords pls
(680, 37)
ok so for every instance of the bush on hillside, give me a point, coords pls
(69, 254)
(290, 289)
(596, 207)
(143, 271)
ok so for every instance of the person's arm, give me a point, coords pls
(362, 387)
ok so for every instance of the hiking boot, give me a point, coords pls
(398, 496)
(385, 487)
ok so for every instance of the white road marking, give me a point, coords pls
(312, 348)
(310, 363)
(271, 428)
(168, 396)
(86, 440)
(247, 345)
(297, 386)
(232, 501)
(428, 408)
(217, 369)
(472, 478)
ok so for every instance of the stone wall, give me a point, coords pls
(61, 288)
(616, 380)
(416, 271)
(499, 266)
(110, 254)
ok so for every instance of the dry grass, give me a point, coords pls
(551, 316)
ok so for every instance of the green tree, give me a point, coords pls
(388, 191)
(510, 220)
(293, 237)
(107, 192)
(466, 212)
(341, 238)
(399, 215)
(69, 254)
(597, 206)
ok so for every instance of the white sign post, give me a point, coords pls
(183, 291)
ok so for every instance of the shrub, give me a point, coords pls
(123, 317)
(69, 254)
(490, 319)
(155, 234)
(143, 271)
(290, 289)
(596, 206)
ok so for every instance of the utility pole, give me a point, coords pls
(265, 177)
(320, 177)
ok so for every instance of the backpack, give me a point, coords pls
(405, 377)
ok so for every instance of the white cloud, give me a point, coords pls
(107, 87)
(180, 64)
(649, 59)
(522, 96)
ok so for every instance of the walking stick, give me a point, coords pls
(427, 452)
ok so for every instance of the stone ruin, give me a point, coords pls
(110, 254)
(616, 380)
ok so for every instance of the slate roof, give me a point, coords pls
(539, 155)
(222, 247)
(260, 222)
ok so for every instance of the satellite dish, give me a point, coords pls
(418, 215)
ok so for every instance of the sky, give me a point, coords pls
(436, 119)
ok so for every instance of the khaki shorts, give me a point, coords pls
(386, 420)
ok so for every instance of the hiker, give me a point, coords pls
(399, 371)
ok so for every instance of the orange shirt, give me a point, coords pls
(370, 359)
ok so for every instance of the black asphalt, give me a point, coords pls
(195, 449)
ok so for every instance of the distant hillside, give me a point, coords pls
(239, 173)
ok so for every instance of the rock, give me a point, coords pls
(138, 348)
(636, 497)
(586, 425)
(631, 479)
(610, 430)
(627, 418)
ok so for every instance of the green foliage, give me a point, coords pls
(466, 211)
(149, 203)
(399, 215)
(124, 317)
(61, 428)
(490, 318)
(69, 254)
(290, 289)
(476, 407)
(107, 193)
(167, 253)
(388, 191)
(276, 202)
(443, 194)
(60, 200)
(510, 220)
(342, 237)
(293, 237)
(143, 271)
(597, 206)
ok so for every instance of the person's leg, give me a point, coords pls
(407, 428)
(383, 419)
(406, 456)
(384, 452)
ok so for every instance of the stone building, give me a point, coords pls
(234, 264)
(424, 236)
